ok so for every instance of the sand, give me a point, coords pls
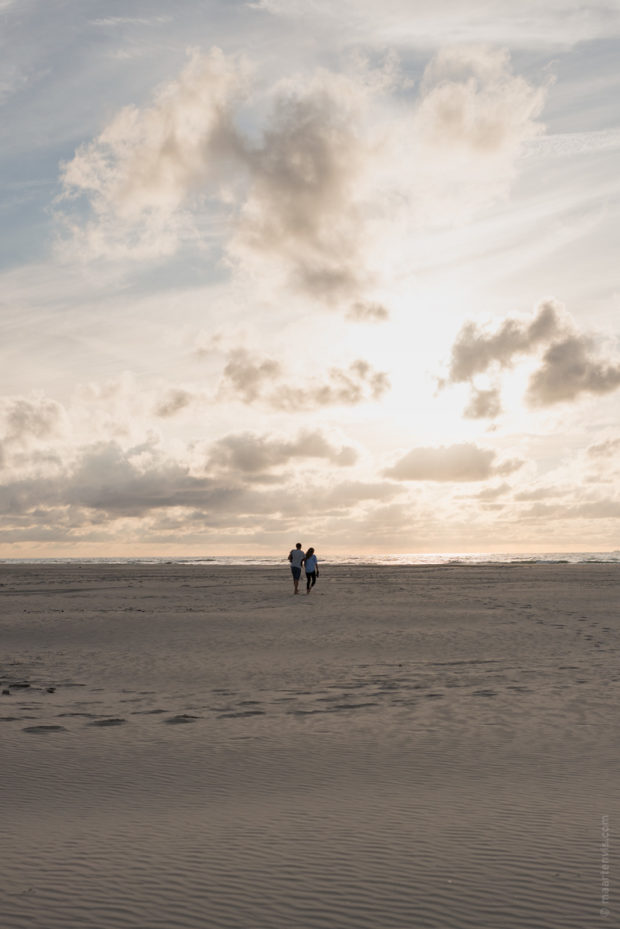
(192, 746)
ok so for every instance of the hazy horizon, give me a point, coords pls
(278, 269)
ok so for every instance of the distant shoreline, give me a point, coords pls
(391, 560)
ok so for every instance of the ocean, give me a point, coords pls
(432, 558)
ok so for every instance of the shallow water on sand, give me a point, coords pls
(189, 746)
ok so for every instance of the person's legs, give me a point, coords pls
(296, 575)
(310, 580)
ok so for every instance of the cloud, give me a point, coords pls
(348, 494)
(605, 449)
(554, 23)
(492, 493)
(139, 172)
(246, 375)
(475, 351)
(252, 379)
(152, 173)
(24, 419)
(173, 402)
(541, 493)
(320, 193)
(483, 404)
(595, 509)
(302, 211)
(568, 366)
(131, 21)
(471, 121)
(366, 311)
(569, 369)
(472, 100)
(252, 454)
(105, 477)
(356, 384)
(464, 462)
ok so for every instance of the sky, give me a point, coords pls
(294, 270)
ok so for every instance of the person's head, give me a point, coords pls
(309, 552)
(297, 544)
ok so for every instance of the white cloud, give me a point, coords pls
(139, 172)
(321, 195)
(473, 117)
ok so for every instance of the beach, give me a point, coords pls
(193, 747)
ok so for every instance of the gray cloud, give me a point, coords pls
(251, 454)
(291, 194)
(541, 493)
(247, 375)
(474, 351)
(252, 378)
(363, 311)
(105, 477)
(350, 493)
(568, 366)
(464, 462)
(301, 207)
(483, 404)
(492, 493)
(595, 509)
(604, 449)
(173, 402)
(355, 384)
(568, 369)
(304, 199)
(23, 419)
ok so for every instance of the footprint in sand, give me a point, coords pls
(147, 712)
(349, 706)
(41, 730)
(107, 722)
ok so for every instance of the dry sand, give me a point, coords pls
(406, 747)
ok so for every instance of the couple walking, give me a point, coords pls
(297, 558)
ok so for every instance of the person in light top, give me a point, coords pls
(312, 569)
(296, 557)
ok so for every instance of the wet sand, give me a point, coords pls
(192, 746)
